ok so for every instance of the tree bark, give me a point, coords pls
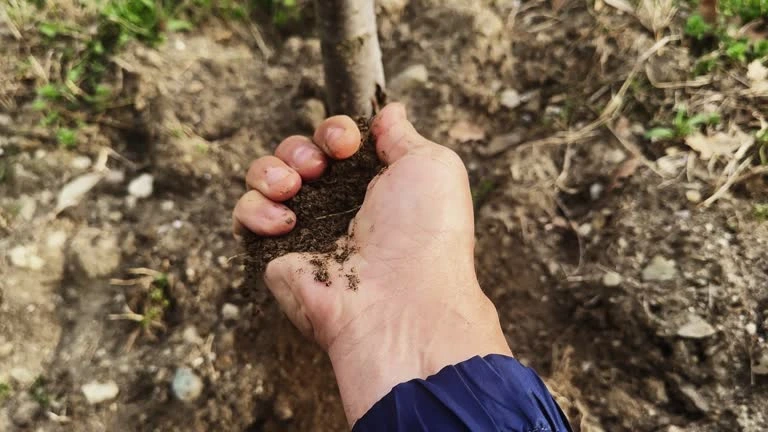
(351, 55)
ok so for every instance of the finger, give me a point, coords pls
(282, 277)
(301, 154)
(273, 178)
(256, 213)
(338, 136)
(395, 135)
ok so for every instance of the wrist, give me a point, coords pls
(396, 341)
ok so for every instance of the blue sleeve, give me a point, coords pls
(491, 393)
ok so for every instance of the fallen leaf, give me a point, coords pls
(696, 328)
(74, 191)
(719, 144)
(464, 131)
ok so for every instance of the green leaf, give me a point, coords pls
(660, 133)
(49, 29)
(704, 119)
(697, 28)
(738, 51)
(49, 91)
(176, 25)
(67, 138)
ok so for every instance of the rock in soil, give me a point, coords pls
(142, 186)
(25, 413)
(660, 269)
(186, 385)
(97, 392)
(324, 209)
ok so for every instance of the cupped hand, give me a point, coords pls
(418, 306)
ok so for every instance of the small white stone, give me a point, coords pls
(167, 205)
(693, 195)
(230, 312)
(186, 385)
(660, 269)
(696, 328)
(25, 257)
(510, 98)
(751, 328)
(191, 336)
(6, 349)
(596, 191)
(141, 186)
(585, 229)
(612, 279)
(81, 162)
(96, 392)
(114, 176)
(23, 377)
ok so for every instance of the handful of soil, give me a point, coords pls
(324, 209)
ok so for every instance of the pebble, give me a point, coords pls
(510, 98)
(751, 328)
(97, 392)
(186, 386)
(167, 205)
(191, 336)
(141, 186)
(283, 409)
(6, 349)
(761, 365)
(26, 413)
(693, 196)
(25, 257)
(22, 377)
(694, 398)
(696, 328)
(612, 279)
(81, 162)
(114, 176)
(660, 269)
(230, 312)
(412, 76)
(596, 191)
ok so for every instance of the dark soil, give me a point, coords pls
(324, 209)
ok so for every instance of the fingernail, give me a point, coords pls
(332, 134)
(274, 175)
(306, 156)
(276, 211)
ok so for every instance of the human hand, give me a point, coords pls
(418, 306)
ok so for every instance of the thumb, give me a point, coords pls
(284, 277)
(395, 135)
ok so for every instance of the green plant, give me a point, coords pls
(66, 137)
(697, 28)
(39, 392)
(737, 50)
(5, 391)
(682, 125)
(762, 145)
(156, 302)
(761, 211)
(747, 10)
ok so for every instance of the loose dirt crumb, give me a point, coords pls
(353, 280)
(321, 271)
